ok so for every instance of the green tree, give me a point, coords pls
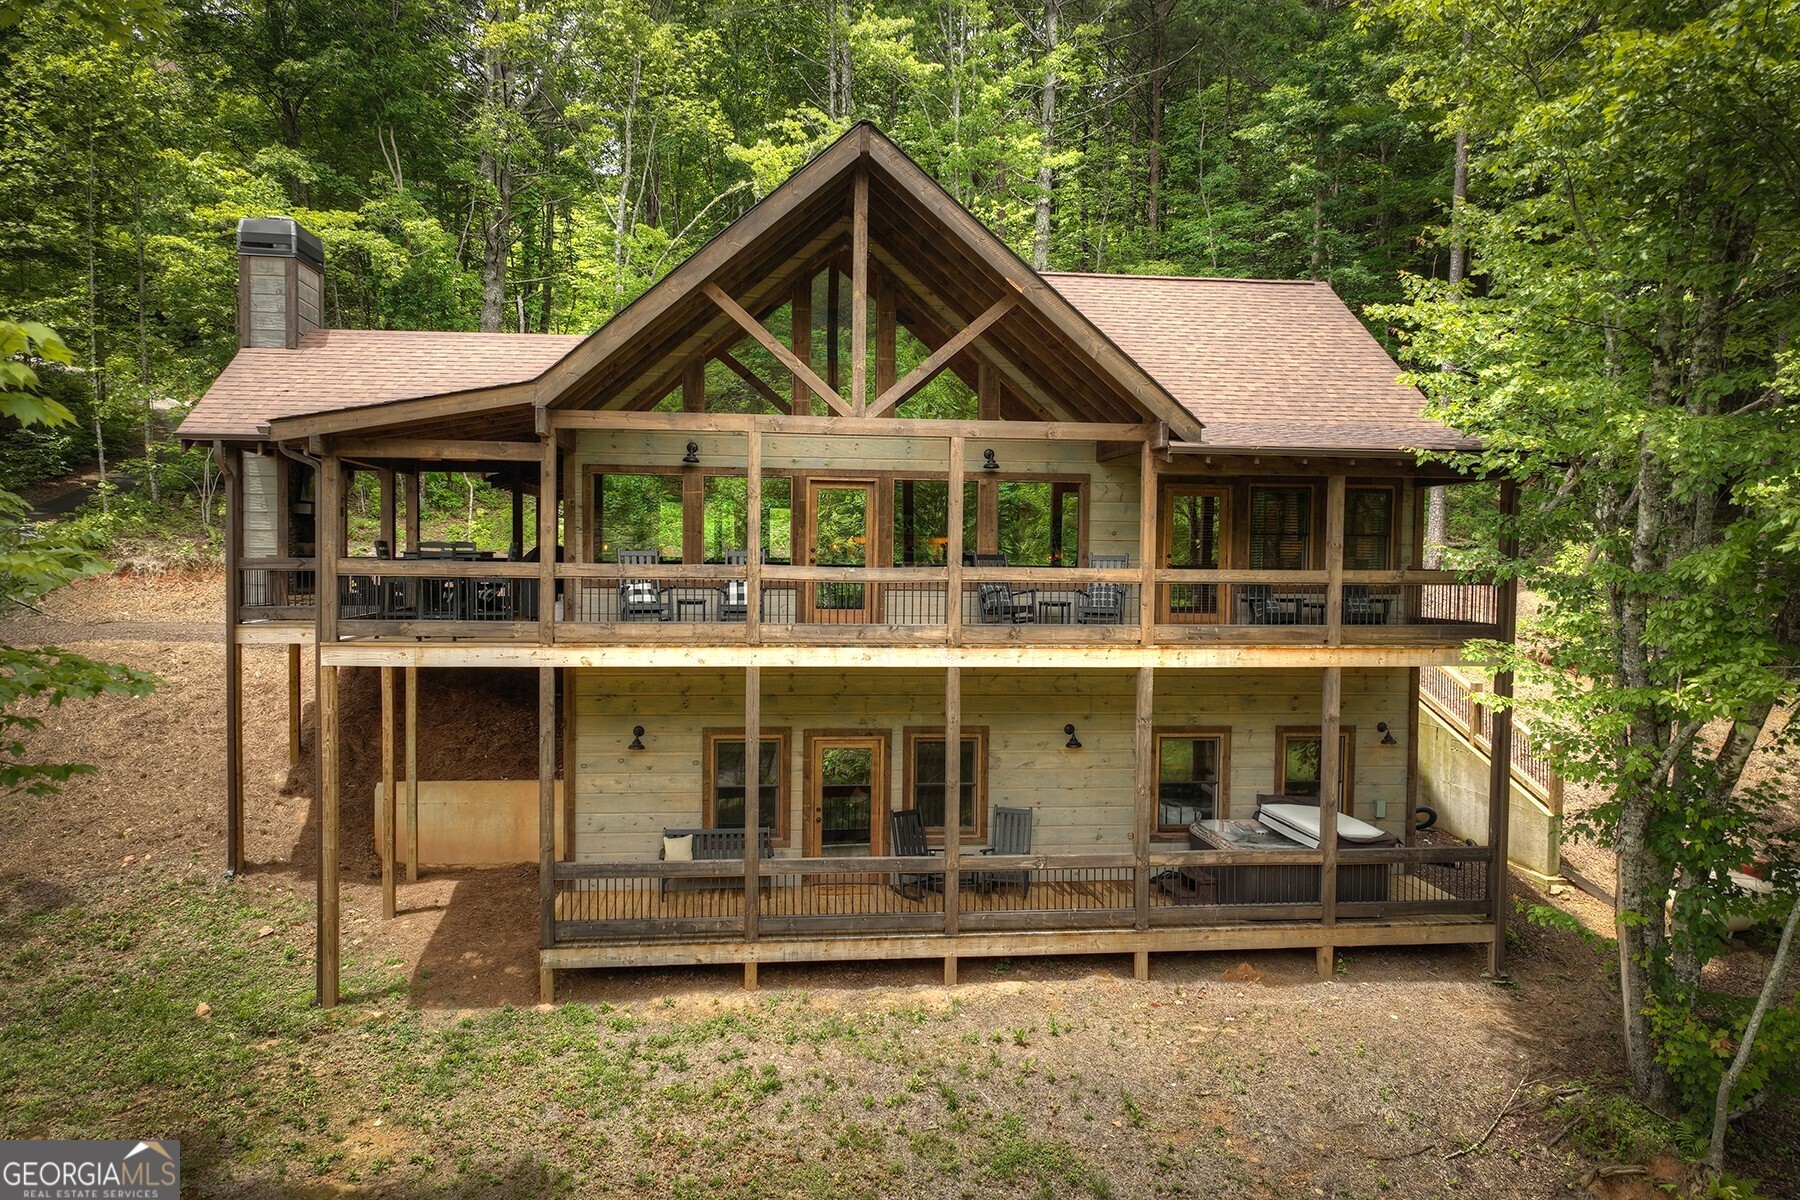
(1625, 351)
(31, 678)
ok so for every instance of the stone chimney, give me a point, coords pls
(281, 282)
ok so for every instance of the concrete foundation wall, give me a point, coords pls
(1453, 779)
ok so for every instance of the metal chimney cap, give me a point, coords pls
(279, 237)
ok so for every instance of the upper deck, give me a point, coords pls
(710, 530)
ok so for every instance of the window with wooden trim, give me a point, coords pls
(1368, 528)
(725, 523)
(1280, 528)
(1192, 780)
(636, 511)
(924, 780)
(922, 521)
(1039, 522)
(724, 780)
(1297, 765)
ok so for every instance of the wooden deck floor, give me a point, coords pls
(787, 896)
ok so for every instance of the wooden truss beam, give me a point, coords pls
(940, 358)
(769, 342)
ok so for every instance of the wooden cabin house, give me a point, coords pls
(853, 485)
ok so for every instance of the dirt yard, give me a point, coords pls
(143, 994)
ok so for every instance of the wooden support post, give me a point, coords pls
(834, 318)
(1330, 762)
(693, 484)
(325, 952)
(330, 534)
(1326, 955)
(750, 975)
(1334, 560)
(1413, 782)
(753, 537)
(987, 491)
(859, 293)
(546, 985)
(949, 970)
(548, 539)
(231, 465)
(1148, 543)
(752, 809)
(953, 557)
(1144, 809)
(952, 799)
(294, 704)
(515, 549)
(413, 515)
(386, 817)
(547, 807)
(384, 483)
(412, 774)
(800, 334)
(887, 334)
(1500, 737)
(1140, 965)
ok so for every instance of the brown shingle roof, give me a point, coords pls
(1267, 364)
(348, 368)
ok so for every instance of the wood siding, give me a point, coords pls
(1083, 798)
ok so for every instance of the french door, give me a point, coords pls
(840, 532)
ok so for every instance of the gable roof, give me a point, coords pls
(1261, 364)
(1267, 363)
(339, 369)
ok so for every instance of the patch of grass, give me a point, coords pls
(1614, 1128)
(1014, 1155)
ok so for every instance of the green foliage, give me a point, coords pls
(1696, 1043)
(34, 679)
(1624, 351)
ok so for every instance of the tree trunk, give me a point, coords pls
(1774, 986)
(143, 340)
(1160, 11)
(96, 377)
(1040, 239)
(496, 173)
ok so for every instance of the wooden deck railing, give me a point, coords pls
(721, 603)
(1457, 702)
(601, 902)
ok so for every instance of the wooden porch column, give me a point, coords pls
(886, 332)
(753, 537)
(1500, 739)
(516, 547)
(752, 811)
(329, 525)
(1334, 560)
(859, 293)
(987, 491)
(412, 509)
(952, 812)
(834, 318)
(384, 483)
(294, 706)
(546, 823)
(232, 468)
(547, 539)
(325, 952)
(386, 815)
(1148, 544)
(693, 484)
(412, 774)
(1144, 808)
(800, 334)
(1330, 713)
(953, 556)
